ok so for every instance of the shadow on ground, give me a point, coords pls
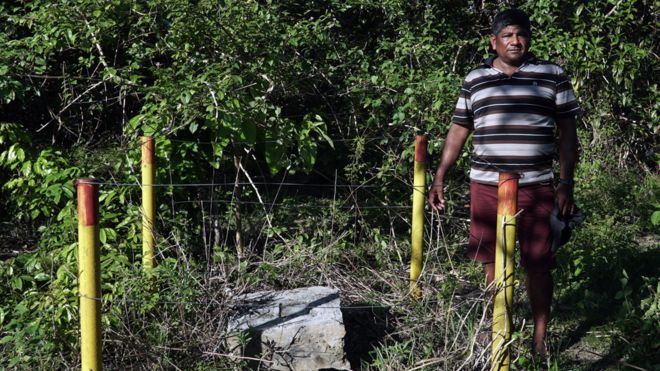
(366, 329)
(598, 306)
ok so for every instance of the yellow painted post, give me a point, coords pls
(148, 211)
(507, 203)
(89, 276)
(419, 185)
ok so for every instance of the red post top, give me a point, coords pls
(147, 150)
(88, 201)
(507, 194)
(421, 148)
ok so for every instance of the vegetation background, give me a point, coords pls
(303, 114)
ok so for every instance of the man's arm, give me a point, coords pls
(568, 154)
(453, 145)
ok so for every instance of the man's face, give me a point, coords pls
(511, 44)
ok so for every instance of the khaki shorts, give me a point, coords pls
(532, 225)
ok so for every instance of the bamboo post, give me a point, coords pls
(89, 276)
(419, 185)
(507, 200)
(148, 212)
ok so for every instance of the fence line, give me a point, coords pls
(210, 143)
(307, 205)
(233, 305)
(226, 184)
(91, 350)
(334, 140)
(401, 303)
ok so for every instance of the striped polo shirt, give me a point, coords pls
(513, 118)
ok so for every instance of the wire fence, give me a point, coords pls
(345, 196)
(132, 145)
(294, 205)
(269, 204)
(232, 184)
(334, 140)
(235, 305)
(404, 301)
(368, 202)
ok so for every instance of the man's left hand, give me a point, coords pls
(564, 199)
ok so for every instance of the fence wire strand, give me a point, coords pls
(227, 184)
(230, 305)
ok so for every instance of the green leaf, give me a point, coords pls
(308, 155)
(399, 117)
(102, 236)
(61, 273)
(248, 131)
(68, 190)
(110, 234)
(193, 127)
(20, 154)
(42, 277)
(185, 97)
(655, 218)
(274, 154)
(26, 169)
(218, 150)
(16, 283)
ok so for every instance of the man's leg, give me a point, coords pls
(537, 258)
(539, 290)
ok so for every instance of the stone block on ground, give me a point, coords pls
(300, 329)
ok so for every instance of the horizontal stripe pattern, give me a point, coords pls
(516, 164)
(528, 177)
(513, 118)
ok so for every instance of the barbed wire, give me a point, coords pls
(400, 302)
(226, 184)
(304, 205)
(135, 144)
(231, 305)
(334, 140)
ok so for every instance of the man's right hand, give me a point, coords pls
(453, 144)
(436, 197)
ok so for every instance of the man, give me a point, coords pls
(513, 103)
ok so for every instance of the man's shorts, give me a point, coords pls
(532, 225)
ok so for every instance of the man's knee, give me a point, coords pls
(539, 280)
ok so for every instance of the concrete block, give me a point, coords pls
(300, 329)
